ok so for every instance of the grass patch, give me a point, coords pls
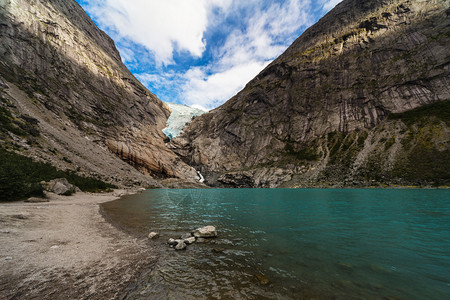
(425, 165)
(20, 177)
(440, 110)
(6, 123)
(308, 153)
(23, 126)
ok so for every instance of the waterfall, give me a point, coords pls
(201, 177)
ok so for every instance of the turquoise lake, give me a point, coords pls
(309, 243)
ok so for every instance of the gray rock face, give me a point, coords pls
(205, 232)
(361, 63)
(60, 69)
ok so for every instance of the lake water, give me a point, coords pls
(309, 243)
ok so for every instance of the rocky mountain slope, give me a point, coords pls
(360, 99)
(67, 98)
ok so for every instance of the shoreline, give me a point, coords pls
(68, 249)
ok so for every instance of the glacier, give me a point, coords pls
(181, 116)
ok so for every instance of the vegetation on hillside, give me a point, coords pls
(440, 110)
(20, 177)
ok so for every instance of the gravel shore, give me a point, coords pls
(65, 249)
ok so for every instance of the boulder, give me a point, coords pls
(189, 240)
(180, 245)
(59, 186)
(153, 235)
(205, 232)
(172, 242)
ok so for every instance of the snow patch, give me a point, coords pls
(181, 116)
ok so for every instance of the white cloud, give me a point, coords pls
(330, 4)
(209, 91)
(245, 53)
(152, 31)
(159, 26)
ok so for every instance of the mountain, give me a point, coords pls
(359, 99)
(67, 98)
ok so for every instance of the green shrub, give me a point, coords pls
(20, 177)
(307, 153)
(440, 110)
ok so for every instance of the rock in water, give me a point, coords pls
(205, 232)
(180, 246)
(153, 235)
(345, 266)
(186, 236)
(189, 240)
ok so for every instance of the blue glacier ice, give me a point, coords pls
(181, 116)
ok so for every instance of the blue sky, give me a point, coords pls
(202, 52)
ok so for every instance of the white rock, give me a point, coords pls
(153, 235)
(172, 242)
(189, 240)
(59, 186)
(205, 232)
(180, 246)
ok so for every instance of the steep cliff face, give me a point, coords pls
(322, 113)
(62, 79)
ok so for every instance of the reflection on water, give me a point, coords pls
(324, 243)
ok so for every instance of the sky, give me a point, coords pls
(202, 52)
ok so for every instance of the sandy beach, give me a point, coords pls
(65, 249)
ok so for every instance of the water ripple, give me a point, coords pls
(307, 243)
